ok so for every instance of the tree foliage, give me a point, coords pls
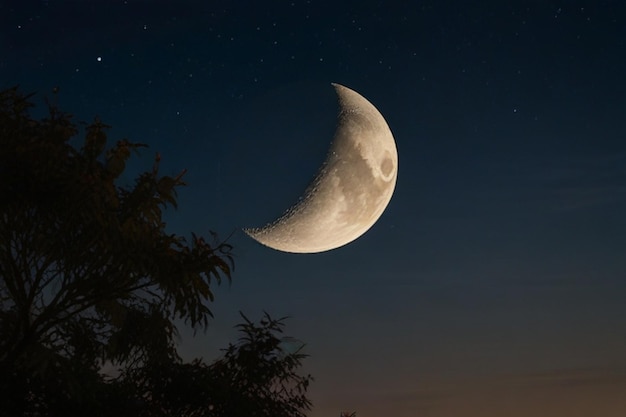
(89, 274)
(255, 377)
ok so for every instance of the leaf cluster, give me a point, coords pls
(257, 376)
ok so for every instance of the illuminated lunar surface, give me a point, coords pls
(351, 190)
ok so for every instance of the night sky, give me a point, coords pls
(494, 283)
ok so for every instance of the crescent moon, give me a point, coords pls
(351, 190)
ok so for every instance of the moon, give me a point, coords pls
(351, 190)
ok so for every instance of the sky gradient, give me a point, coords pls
(493, 284)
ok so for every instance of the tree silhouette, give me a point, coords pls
(89, 275)
(256, 377)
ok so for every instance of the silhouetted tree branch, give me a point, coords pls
(256, 377)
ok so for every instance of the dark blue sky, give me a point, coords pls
(494, 283)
